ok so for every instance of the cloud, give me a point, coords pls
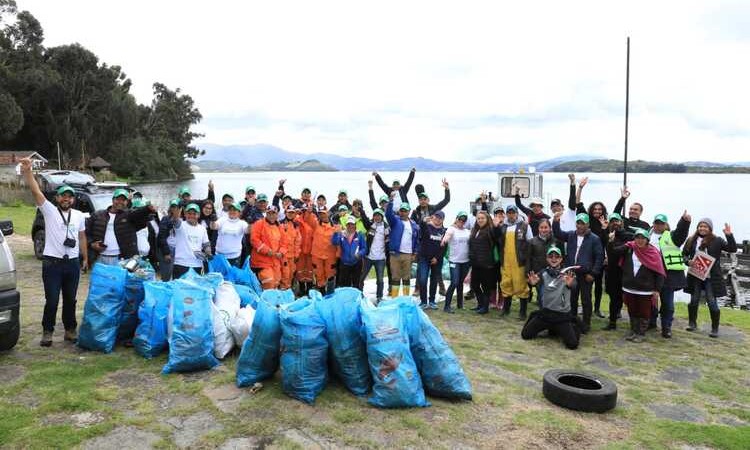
(471, 81)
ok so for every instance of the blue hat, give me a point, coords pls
(510, 208)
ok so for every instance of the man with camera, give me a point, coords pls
(64, 238)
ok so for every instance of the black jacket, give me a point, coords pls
(645, 280)
(714, 249)
(533, 218)
(127, 223)
(403, 190)
(418, 214)
(482, 246)
(536, 256)
(591, 255)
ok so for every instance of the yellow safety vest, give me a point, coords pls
(671, 253)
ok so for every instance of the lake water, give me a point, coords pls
(720, 197)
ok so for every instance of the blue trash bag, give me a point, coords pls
(396, 380)
(101, 314)
(190, 274)
(248, 297)
(446, 269)
(151, 335)
(134, 294)
(347, 349)
(259, 357)
(210, 281)
(439, 367)
(249, 278)
(191, 344)
(304, 351)
(219, 264)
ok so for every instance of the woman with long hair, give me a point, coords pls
(481, 256)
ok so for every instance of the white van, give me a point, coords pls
(10, 298)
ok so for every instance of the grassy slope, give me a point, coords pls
(509, 409)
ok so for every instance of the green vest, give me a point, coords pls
(671, 253)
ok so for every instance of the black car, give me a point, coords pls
(89, 198)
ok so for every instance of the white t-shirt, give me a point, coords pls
(406, 238)
(230, 234)
(143, 246)
(568, 220)
(655, 240)
(113, 248)
(458, 244)
(55, 230)
(579, 243)
(189, 239)
(636, 267)
(377, 247)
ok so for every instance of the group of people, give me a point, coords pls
(303, 243)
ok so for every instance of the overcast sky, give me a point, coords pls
(472, 81)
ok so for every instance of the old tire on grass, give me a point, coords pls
(579, 391)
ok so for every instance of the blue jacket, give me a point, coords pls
(397, 231)
(591, 254)
(351, 252)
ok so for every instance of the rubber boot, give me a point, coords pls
(394, 291)
(493, 300)
(483, 302)
(715, 316)
(612, 325)
(692, 318)
(506, 305)
(407, 288)
(441, 287)
(643, 326)
(522, 309)
(633, 330)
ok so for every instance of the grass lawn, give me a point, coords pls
(22, 216)
(688, 391)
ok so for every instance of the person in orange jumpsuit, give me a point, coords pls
(290, 230)
(268, 249)
(304, 264)
(324, 253)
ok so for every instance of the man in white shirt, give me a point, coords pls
(64, 237)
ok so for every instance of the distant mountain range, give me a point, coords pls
(260, 156)
(263, 157)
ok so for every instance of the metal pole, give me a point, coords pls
(627, 110)
(59, 161)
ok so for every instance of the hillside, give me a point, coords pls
(640, 166)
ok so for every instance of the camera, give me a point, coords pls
(69, 242)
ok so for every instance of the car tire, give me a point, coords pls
(39, 244)
(579, 391)
(10, 339)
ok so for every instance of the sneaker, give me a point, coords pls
(714, 333)
(638, 338)
(692, 326)
(610, 326)
(433, 305)
(666, 333)
(423, 305)
(599, 314)
(71, 336)
(46, 339)
(630, 336)
(449, 310)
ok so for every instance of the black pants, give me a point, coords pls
(598, 288)
(483, 281)
(614, 289)
(582, 288)
(348, 276)
(565, 329)
(178, 270)
(60, 275)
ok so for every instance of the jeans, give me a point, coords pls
(695, 297)
(108, 260)
(379, 267)
(458, 275)
(165, 267)
(425, 270)
(348, 276)
(666, 310)
(60, 275)
(539, 293)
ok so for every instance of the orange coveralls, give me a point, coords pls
(267, 238)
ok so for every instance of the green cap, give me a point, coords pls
(236, 206)
(175, 202)
(378, 211)
(404, 207)
(342, 191)
(641, 232)
(583, 217)
(462, 214)
(249, 188)
(192, 207)
(120, 193)
(227, 195)
(184, 190)
(65, 188)
(661, 218)
(554, 249)
(262, 198)
(384, 198)
(343, 208)
(395, 182)
(138, 203)
(615, 216)
(423, 195)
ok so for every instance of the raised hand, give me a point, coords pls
(569, 278)
(625, 192)
(26, 165)
(210, 185)
(369, 184)
(603, 220)
(611, 235)
(727, 229)
(533, 278)
(374, 173)
(445, 183)
(413, 169)
(557, 216)
(572, 178)
(282, 181)
(686, 217)
(583, 182)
